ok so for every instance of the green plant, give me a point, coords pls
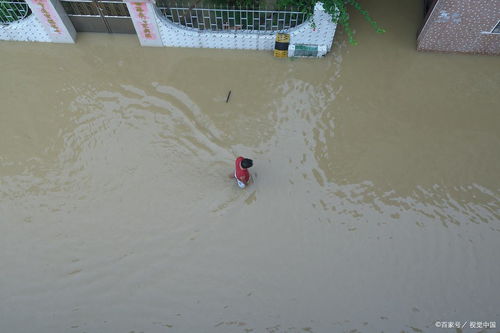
(338, 10)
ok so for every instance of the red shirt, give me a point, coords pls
(241, 173)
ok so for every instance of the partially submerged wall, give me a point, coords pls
(25, 30)
(461, 26)
(321, 33)
(47, 23)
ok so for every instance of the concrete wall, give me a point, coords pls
(178, 36)
(48, 22)
(143, 15)
(26, 30)
(461, 26)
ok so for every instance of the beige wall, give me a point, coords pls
(461, 26)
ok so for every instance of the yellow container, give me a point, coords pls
(281, 45)
(281, 54)
(283, 38)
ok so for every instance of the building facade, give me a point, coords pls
(465, 26)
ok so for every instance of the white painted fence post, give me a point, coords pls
(321, 33)
(54, 20)
(143, 16)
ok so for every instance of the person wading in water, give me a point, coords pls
(240, 172)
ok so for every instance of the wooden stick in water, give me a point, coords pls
(228, 95)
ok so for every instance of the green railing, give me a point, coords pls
(217, 17)
(13, 10)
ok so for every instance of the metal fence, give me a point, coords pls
(13, 10)
(111, 16)
(93, 8)
(219, 19)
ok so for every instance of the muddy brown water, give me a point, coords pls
(375, 205)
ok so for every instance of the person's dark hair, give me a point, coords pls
(246, 163)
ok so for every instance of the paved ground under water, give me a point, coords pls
(375, 205)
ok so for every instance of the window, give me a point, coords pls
(496, 30)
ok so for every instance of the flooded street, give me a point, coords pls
(375, 206)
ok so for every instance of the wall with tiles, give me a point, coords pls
(143, 15)
(48, 22)
(53, 19)
(26, 30)
(178, 36)
(461, 26)
(154, 30)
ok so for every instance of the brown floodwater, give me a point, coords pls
(375, 205)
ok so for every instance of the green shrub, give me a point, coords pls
(339, 11)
